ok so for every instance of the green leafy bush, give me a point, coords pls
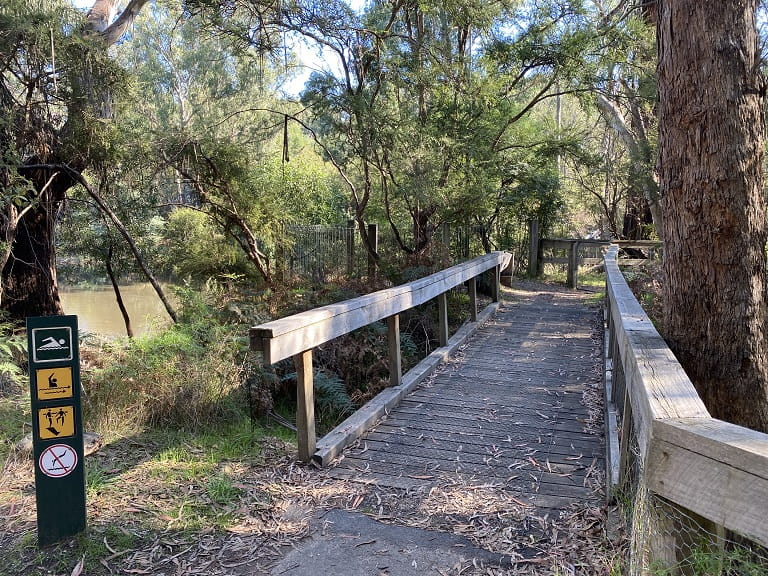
(196, 248)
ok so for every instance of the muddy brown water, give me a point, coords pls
(97, 310)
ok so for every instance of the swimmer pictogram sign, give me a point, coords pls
(51, 344)
(54, 385)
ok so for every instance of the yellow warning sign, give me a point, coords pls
(58, 422)
(54, 383)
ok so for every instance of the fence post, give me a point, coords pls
(395, 359)
(533, 249)
(350, 247)
(373, 240)
(496, 286)
(305, 408)
(573, 265)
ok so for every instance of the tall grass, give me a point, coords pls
(189, 374)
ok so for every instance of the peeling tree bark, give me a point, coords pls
(710, 169)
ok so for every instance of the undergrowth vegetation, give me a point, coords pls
(188, 374)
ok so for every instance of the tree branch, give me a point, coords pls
(80, 179)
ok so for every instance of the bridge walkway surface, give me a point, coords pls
(503, 444)
(507, 411)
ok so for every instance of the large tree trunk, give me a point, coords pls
(29, 273)
(28, 260)
(710, 169)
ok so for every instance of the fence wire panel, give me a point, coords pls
(322, 252)
(667, 540)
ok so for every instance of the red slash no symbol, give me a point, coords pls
(57, 459)
(57, 467)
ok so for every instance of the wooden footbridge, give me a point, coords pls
(504, 407)
(538, 398)
(507, 409)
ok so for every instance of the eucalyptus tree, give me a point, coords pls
(422, 109)
(711, 133)
(626, 97)
(207, 111)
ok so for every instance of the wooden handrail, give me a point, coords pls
(573, 246)
(295, 336)
(283, 338)
(712, 468)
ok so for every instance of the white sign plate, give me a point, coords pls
(58, 460)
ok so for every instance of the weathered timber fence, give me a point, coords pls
(295, 336)
(691, 474)
(577, 252)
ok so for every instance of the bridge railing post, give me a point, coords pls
(442, 312)
(395, 357)
(305, 408)
(473, 299)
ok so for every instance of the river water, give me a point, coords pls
(97, 311)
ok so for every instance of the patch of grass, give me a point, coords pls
(15, 422)
(97, 478)
(91, 546)
(704, 560)
(593, 280)
(214, 443)
(221, 490)
(117, 538)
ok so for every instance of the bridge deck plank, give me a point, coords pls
(507, 411)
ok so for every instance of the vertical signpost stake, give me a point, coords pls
(57, 427)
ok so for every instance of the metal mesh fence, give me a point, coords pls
(321, 252)
(667, 540)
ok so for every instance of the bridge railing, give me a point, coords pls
(683, 466)
(295, 336)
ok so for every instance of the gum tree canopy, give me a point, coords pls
(55, 100)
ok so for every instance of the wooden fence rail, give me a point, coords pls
(295, 336)
(717, 470)
(580, 251)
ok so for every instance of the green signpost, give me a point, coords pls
(57, 427)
